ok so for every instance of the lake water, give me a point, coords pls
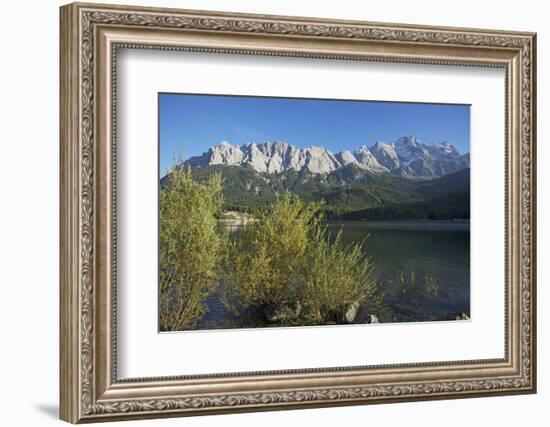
(422, 270)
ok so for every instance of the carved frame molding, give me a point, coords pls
(90, 36)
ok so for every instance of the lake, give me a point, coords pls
(407, 256)
(422, 269)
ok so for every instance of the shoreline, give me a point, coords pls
(413, 224)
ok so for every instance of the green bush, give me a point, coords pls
(265, 264)
(191, 247)
(287, 258)
(336, 276)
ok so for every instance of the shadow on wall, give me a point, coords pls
(51, 410)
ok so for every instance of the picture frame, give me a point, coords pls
(91, 35)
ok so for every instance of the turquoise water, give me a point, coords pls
(422, 270)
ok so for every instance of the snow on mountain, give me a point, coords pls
(407, 157)
(426, 161)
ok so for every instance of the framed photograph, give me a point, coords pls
(266, 212)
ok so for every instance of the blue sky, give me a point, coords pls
(190, 124)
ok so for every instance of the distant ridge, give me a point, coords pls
(406, 157)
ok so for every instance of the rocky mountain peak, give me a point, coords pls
(407, 157)
(408, 140)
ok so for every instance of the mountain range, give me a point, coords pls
(407, 157)
(406, 179)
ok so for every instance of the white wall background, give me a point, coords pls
(29, 171)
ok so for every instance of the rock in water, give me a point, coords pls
(282, 313)
(372, 318)
(350, 312)
(462, 316)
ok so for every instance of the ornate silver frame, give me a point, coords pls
(90, 36)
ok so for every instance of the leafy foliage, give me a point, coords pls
(337, 276)
(265, 265)
(190, 247)
(287, 257)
